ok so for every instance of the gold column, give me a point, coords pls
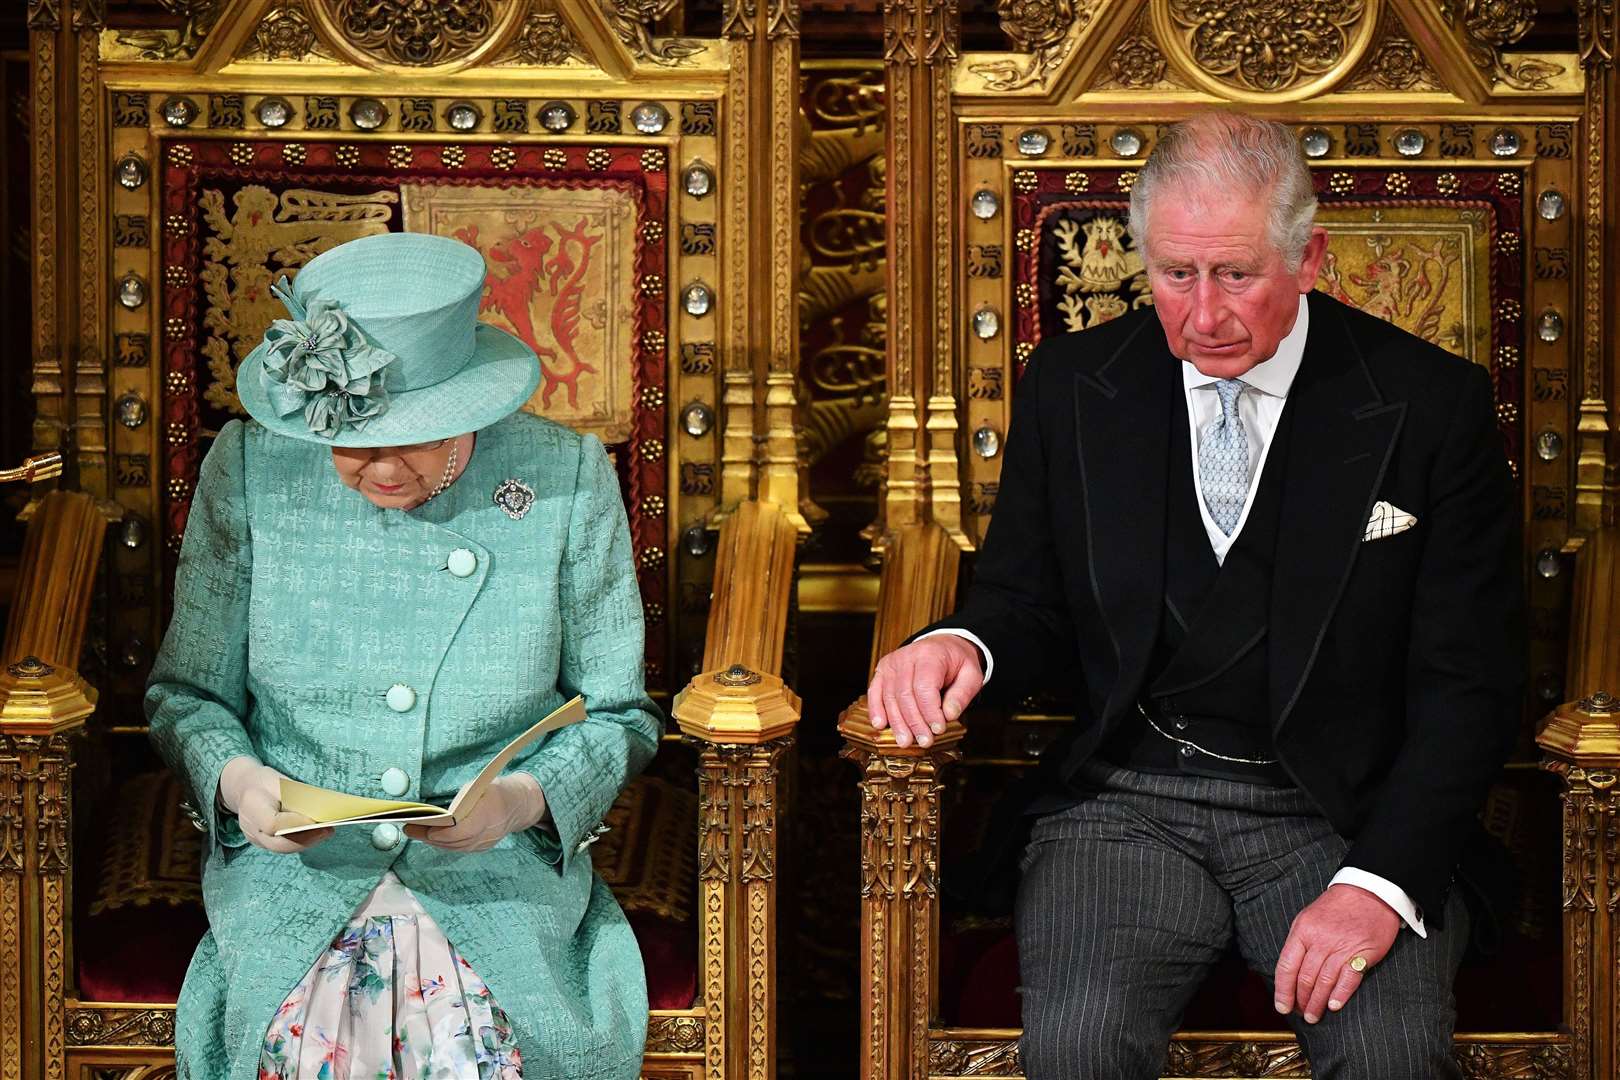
(758, 426)
(1581, 741)
(741, 717)
(1599, 416)
(921, 481)
(51, 384)
(900, 824)
(41, 708)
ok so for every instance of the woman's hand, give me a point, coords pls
(252, 792)
(512, 803)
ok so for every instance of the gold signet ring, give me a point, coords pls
(1358, 964)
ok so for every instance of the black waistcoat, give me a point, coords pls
(1207, 681)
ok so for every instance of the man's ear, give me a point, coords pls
(1311, 263)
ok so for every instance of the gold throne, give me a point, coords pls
(1464, 189)
(630, 186)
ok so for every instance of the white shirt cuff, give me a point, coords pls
(1387, 891)
(989, 661)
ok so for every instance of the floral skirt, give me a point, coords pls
(391, 999)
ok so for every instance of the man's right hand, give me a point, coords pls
(919, 687)
(252, 792)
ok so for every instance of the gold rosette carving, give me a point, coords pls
(1270, 49)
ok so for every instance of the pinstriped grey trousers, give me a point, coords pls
(1130, 897)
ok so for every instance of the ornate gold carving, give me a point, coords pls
(1045, 29)
(1596, 31)
(1274, 1058)
(1395, 63)
(1137, 63)
(413, 33)
(285, 33)
(1268, 46)
(45, 15)
(675, 1034)
(630, 20)
(974, 1057)
(48, 384)
(1491, 25)
(181, 44)
(547, 41)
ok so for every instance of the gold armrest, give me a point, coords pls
(34, 469)
(740, 697)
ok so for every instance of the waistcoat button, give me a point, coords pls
(401, 698)
(385, 837)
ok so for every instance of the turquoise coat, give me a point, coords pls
(298, 604)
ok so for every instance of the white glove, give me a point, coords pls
(252, 792)
(512, 803)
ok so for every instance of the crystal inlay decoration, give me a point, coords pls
(1549, 444)
(696, 541)
(1033, 142)
(1409, 142)
(649, 118)
(179, 111)
(463, 116)
(1126, 142)
(697, 299)
(986, 323)
(131, 172)
(986, 443)
(131, 291)
(368, 114)
(1316, 143)
(1550, 204)
(130, 408)
(697, 419)
(132, 534)
(1504, 142)
(984, 204)
(1548, 564)
(557, 116)
(1550, 326)
(697, 180)
(274, 112)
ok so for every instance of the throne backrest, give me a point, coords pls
(1459, 213)
(602, 171)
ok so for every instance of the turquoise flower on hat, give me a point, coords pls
(319, 363)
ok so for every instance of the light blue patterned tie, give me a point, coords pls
(1223, 459)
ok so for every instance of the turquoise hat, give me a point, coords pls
(383, 347)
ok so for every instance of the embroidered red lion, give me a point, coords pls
(532, 261)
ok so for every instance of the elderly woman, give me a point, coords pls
(386, 577)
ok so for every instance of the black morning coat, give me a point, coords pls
(1395, 665)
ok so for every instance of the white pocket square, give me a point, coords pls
(1387, 520)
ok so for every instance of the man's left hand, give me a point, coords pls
(1314, 970)
(511, 804)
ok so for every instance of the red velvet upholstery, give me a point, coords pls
(140, 908)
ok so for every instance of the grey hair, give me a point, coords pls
(1230, 154)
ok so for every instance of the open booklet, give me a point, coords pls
(326, 808)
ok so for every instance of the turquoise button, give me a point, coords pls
(401, 698)
(463, 562)
(395, 782)
(385, 836)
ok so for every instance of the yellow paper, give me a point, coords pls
(326, 808)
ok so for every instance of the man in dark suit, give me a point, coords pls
(1273, 541)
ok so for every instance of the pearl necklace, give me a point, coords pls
(449, 471)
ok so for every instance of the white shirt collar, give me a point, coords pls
(1274, 376)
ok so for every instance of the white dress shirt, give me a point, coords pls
(1259, 407)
